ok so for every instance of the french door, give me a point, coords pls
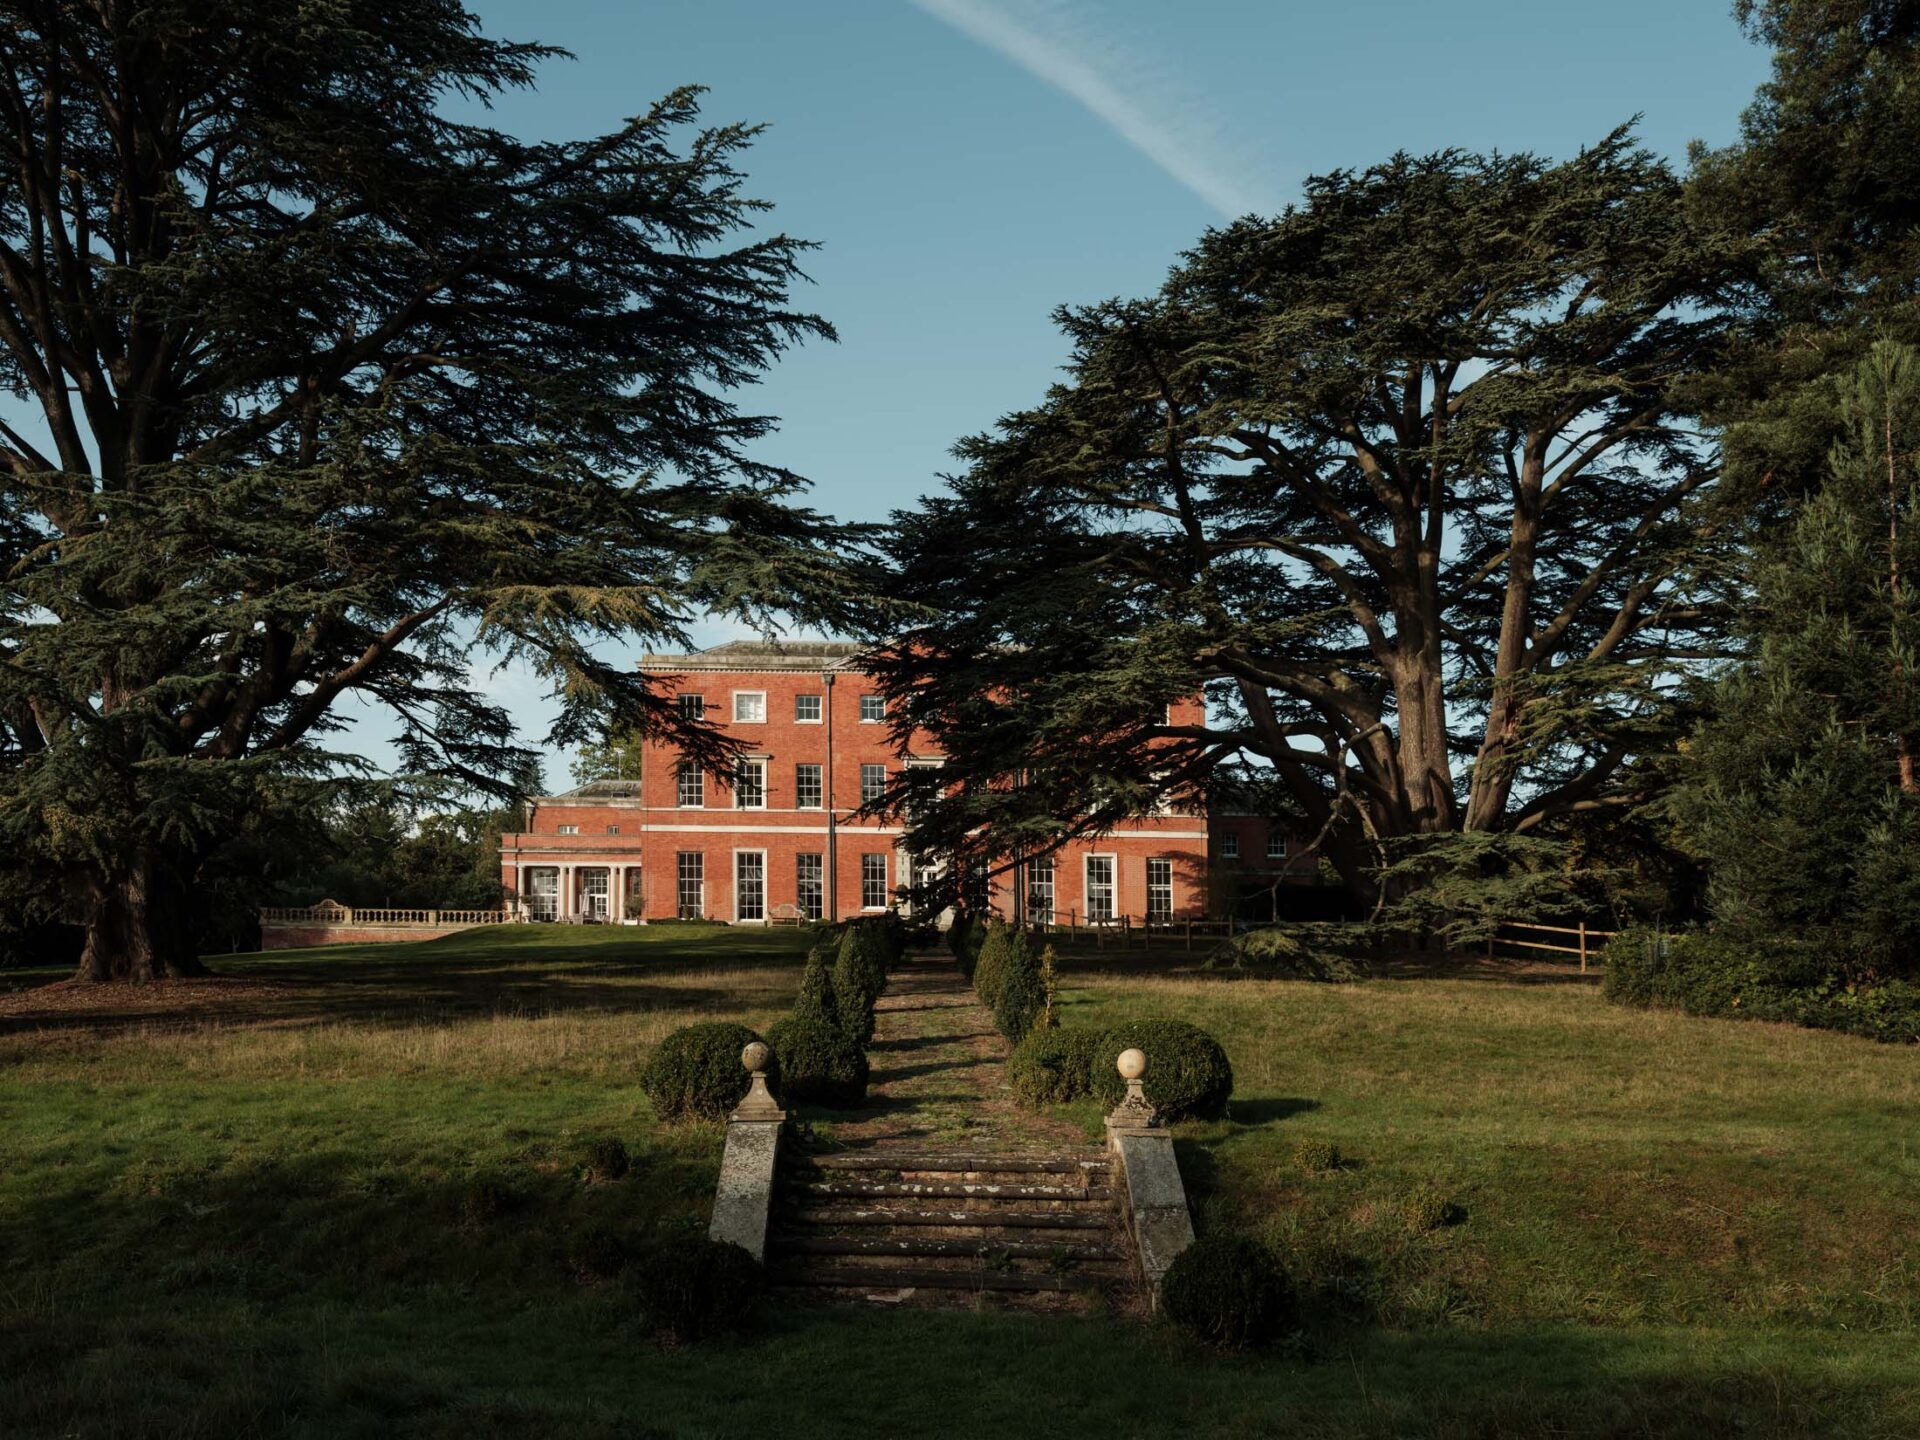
(750, 887)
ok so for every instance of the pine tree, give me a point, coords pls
(1804, 795)
(332, 388)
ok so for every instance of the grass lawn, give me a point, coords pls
(347, 1197)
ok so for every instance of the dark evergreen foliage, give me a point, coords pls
(990, 966)
(693, 1288)
(1803, 794)
(818, 1002)
(696, 1074)
(333, 386)
(1226, 1290)
(1023, 994)
(1052, 1066)
(1719, 973)
(859, 975)
(820, 1063)
(1188, 1074)
(1407, 478)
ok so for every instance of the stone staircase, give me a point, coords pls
(893, 1224)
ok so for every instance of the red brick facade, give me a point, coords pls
(787, 847)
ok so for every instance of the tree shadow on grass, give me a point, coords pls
(457, 977)
(344, 1293)
(1268, 1109)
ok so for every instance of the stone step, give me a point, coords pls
(969, 1164)
(950, 1190)
(926, 1277)
(1014, 1219)
(945, 1249)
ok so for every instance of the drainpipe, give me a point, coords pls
(833, 833)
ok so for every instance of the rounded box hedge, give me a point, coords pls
(1051, 1067)
(820, 1064)
(1187, 1072)
(696, 1074)
(1225, 1290)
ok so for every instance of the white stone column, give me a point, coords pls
(566, 901)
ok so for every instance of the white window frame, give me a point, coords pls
(1113, 885)
(867, 768)
(1276, 847)
(819, 788)
(866, 880)
(1159, 889)
(596, 904)
(680, 878)
(759, 695)
(880, 703)
(566, 830)
(738, 918)
(699, 786)
(613, 829)
(693, 706)
(1040, 897)
(1230, 846)
(543, 892)
(740, 767)
(819, 709)
(819, 906)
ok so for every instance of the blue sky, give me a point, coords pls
(967, 165)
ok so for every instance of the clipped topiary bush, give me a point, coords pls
(696, 1074)
(1050, 1066)
(1316, 1157)
(1226, 1291)
(991, 966)
(696, 1288)
(818, 1002)
(598, 1252)
(891, 931)
(1023, 994)
(859, 974)
(957, 940)
(603, 1159)
(820, 1064)
(1187, 1071)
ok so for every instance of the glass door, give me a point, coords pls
(593, 887)
(750, 885)
(543, 893)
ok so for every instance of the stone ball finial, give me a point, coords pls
(1132, 1064)
(754, 1057)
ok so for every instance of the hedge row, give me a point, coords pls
(1014, 980)
(819, 1050)
(1188, 1074)
(1714, 973)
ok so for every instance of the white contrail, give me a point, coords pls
(1139, 100)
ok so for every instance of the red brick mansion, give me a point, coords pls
(778, 838)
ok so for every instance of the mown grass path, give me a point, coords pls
(939, 1076)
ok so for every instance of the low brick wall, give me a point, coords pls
(304, 935)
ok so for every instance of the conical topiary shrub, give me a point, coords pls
(818, 1002)
(990, 970)
(855, 984)
(1023, 996)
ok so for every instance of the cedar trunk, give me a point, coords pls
(136, 928)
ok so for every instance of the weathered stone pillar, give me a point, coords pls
(745, 1197)
(1156, 1209)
